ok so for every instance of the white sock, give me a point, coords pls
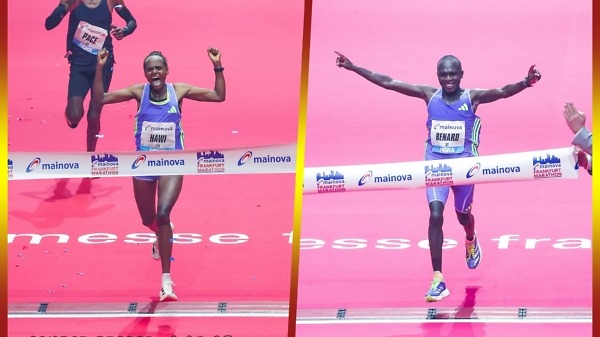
(166, 277)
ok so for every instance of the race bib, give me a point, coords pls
(157, 136)
(89, 37)
(447, 136)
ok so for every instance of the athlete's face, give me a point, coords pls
(156, 71)
(449, 74)
(91, 3)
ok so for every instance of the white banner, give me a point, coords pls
(543, 164)
(42, 165)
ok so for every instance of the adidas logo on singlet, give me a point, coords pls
(173, 110)
(464, 107)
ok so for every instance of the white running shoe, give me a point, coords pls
(167, 293)
(155, 251)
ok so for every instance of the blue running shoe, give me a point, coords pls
(437, 291)
(473, 254)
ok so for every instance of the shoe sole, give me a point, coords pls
(170, 297)
(443, 294)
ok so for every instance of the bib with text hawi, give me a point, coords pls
(157, 136)
(89, 37)
(447, 136)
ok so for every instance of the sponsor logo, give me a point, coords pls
(501, 170)
(447, 127)
(139, 161)
(492, 171)
(365, 178)
(210, 161)
(165, 162)
(547, 167)
(473, 170)
(106, 164)
(37, 162)
(10, 168)
(245, 158)
(272, 159)
(33, 165)
(330, 182)
(438, 175)
(158, 128)
(390, 178)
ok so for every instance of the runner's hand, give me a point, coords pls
(70, 4)
(117, 32)
(342, 61)
(215, 55)
(102, 57)
(533, 75)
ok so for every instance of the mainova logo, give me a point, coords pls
(138, 162)
(33, 164)
(365, 178)
(37, 162)
(473, 170)
(272, 159)
(245, 158)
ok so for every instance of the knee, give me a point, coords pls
(93, 118)
(163, 218)
(147, 221)
(463, 218)
(436, 213)
(436, 219)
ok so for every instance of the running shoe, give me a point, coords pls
(437, 291)
(473, 253)
(155, 251)
(167, 293)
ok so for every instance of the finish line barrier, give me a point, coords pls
(534, 165)
(52, 165)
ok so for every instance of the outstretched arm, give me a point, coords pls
(98, 94)
(202, 94)
(491, 95)
(125, 14)
(64, 7)
(421, 91)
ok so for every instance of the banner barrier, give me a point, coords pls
(543, 164)
(251, 160)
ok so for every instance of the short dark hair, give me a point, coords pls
(450, 58)
(159, 54)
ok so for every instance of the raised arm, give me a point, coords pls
(421, 91)
(203, 94)
(479, 96)
(576, 122)
(64, 7)
(131, 24)
(98, 94)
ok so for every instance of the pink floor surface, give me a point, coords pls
(349, 258)
(258, 206)
(349, 121)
